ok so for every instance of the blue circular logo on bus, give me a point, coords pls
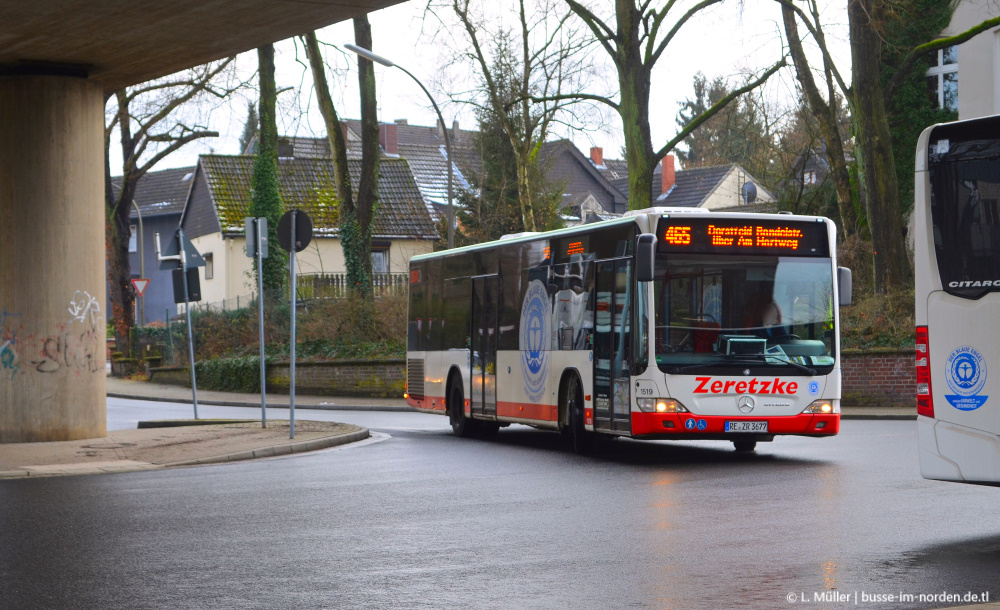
(966, 374)
(535, 335)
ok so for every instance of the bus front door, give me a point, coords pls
(612, 340)
(484, 345)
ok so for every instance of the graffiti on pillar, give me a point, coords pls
(73, 346)
(85, 308)
(9, 360)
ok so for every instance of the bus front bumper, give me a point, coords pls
(708, 427)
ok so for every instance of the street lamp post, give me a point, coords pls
(363, 52)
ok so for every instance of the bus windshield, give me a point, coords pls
(744, 311)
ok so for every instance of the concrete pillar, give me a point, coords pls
(52, 325)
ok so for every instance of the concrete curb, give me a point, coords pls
(275, 450)
(262, 452)
(256, 404)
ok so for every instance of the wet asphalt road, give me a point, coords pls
(419, 518)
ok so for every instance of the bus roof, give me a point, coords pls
(626, 218)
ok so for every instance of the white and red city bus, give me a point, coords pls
(663, 324)
(957, 267)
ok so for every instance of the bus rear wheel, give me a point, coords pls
(461, 425)
(745, 446)
(582, 441)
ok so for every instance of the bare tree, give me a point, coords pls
(635, 38)
(153, 120)
(867, 99)
(543, 56)
(825, 110)
(357, 209)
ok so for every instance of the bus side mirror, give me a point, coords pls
(645, 257)
(845, 283)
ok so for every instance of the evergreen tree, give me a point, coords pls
(737, 134)
(492, 208)
(249, 128)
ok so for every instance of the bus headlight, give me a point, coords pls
(660, 405)
(823, 407)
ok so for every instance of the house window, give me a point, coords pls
(209, 266)
(132, 239)
(942, 79)
(380, 259)
(809, 177)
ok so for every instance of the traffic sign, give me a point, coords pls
(303, 230)
(140, 285)
(194, 258)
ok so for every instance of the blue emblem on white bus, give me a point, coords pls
(535, 337)
(966, 376)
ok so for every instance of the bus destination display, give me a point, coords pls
(737, 236)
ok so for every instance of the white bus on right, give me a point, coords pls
(957, 266)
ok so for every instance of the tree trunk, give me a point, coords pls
(524, 193)
(266, 201)
(634, 111)
(874, 141)
(118, 202)
(826, 115)
(268, 98)
(633, 80)
(334, 134)
(356, 225)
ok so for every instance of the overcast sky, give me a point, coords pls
(726, 41)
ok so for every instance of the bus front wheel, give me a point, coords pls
(461, 425)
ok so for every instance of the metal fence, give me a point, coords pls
(334, 285)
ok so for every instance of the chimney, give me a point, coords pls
(388, 138)
(401, 122)
(440, 126)
(667, 175)
(597, 155)
(454, 130)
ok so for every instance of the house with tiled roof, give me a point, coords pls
(160, 197)
(220, 199)
(727, 188)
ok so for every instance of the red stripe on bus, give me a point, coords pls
(528, 410)
(435, 403)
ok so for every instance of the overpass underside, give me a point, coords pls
(58, 59)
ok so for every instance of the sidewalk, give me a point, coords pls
(157, 448)
(141, 390)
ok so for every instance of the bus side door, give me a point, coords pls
(612, 345)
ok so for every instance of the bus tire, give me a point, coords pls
(745, 446)
(582, 441)
(461, 426)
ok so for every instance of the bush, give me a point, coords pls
(326, 329)
(874, 320)
(230, 374)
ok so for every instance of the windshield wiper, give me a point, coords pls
(745, 359)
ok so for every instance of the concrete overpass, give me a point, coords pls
(57, 60)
